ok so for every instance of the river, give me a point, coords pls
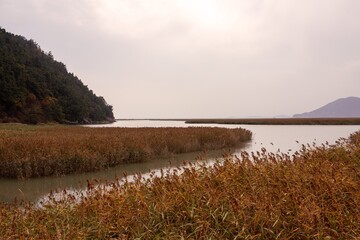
(284, 138)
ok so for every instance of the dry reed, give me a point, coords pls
(314, 194)
(36, 151)
(279, 121)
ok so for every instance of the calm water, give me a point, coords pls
(273, 138)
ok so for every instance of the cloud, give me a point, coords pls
(204, 58)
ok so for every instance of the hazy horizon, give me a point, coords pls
(203, 58)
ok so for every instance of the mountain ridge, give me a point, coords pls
(340, 108)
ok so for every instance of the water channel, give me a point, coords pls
(284, 138)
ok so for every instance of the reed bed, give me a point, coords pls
(279, 121)
(313, 194)
(37, 151)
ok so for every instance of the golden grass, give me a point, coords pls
(314, 194)
(36, 151)
(280, 121)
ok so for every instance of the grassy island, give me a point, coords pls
(313, 194)
(37, 151)
(279, 121)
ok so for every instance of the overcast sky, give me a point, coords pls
(200, 58)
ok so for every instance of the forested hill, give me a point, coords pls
(35, 88)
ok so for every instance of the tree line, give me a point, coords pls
(35, 88)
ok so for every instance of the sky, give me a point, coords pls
(200, 58)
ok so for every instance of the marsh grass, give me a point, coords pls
(313, 194)
(37, 151)
(279, 121)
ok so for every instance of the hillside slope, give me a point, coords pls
(36, 88)
(343, 107)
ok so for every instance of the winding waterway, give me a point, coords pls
(284, 138)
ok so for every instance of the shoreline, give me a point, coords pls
(277, 121)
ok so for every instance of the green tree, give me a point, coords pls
(36, 88)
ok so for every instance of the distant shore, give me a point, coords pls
(278, 121)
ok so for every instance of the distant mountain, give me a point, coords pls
(35, 88)
(343, 107)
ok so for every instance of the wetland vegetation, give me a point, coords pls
(47, 150)
(312, 194)
(279, 121)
